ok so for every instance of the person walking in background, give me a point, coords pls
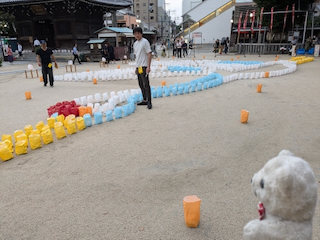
(75, 54)
(44, 54)
(142, 50)
(36, 45)
(163, 50)
(10, 54)
(216, 46)
(184, 47)
(105, 53)
(178, 48)
(20, 50)
(111, 53)
(226, 45)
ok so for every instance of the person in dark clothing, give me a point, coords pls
(105, 52)
(184, 47)
(45, 54)
(111, 53)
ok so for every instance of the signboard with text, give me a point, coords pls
(197, 35)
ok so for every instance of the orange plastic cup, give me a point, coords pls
(88, 70)
(82, 111)
(89, 110)
(94, 81)
(163, 83)
(203, 57)
(41, 79)
(238, 57)
(266, 74)
(231, 59)
(244, 116)
(158, 59)
(28, 95)
(191, 207)
(118, 66)
(259, 87)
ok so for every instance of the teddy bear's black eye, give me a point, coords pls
(262, 183)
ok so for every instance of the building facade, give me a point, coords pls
(147, 12)
(61, 23)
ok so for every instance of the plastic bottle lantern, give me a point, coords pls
(244, 116)
(191, 207)
(259, 87)
(70, 62)
(28, 95)
(30, 67)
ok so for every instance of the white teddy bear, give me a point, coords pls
(288, 191)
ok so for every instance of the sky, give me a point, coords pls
(175, 5)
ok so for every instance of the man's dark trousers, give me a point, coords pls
(144, 84)
(45, 72)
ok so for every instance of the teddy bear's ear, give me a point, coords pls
(286, 153)
(286, 180)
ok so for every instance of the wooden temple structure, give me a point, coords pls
(62, 23)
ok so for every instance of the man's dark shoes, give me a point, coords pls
(149, 105)
(142, 103)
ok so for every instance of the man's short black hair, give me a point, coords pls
(137, 29)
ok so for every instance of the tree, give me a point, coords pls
(7, 25)
(280, 5)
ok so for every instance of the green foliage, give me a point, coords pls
(7, 25)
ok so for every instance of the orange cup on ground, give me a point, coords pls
(94, 81)
(41, 79)
(192, 59)
(203, 57)
(244, 116)
(163, 83)
(191, 207)
(266, 74)
(118, 66)
(158, 59)
(88, 70)
(259, 87)
(28, 95)
(238, 57)
(231, 59)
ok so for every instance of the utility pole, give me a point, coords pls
(148, 15)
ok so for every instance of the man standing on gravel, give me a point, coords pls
(142, 50)
(45, 54)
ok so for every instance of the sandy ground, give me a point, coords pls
(126, 179)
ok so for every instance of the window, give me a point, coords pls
(144, 17)
(144, 11)
(151, 17)
(144, 4)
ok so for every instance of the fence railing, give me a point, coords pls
(263, 48)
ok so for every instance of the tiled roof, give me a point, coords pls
(124, 3)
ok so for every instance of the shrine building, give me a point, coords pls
(62, 23)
